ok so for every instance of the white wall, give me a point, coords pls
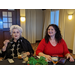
(69, 28)
(23, 24)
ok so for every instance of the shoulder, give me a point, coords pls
(11, 40)
(62, 41)
(24, 40)
(43, 41)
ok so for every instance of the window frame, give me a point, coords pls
(7, 18)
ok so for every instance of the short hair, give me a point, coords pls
(16, 27)
(58, 36)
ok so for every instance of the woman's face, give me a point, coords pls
(16, 34)
(51, 31)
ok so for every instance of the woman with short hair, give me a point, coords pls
(17, 44)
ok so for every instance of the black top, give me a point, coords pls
(15, 48)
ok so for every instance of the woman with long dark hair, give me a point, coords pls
(53, 44)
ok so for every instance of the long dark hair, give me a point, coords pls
(58, 36)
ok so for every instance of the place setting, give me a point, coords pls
(55, 60)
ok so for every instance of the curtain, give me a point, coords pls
(31, 25)
(62, 22)
(46, 20)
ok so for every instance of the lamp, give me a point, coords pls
(22, 19)
(70, 17)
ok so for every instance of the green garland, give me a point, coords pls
(40, 61)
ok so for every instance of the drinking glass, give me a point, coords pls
(54, 59)
(24, 55)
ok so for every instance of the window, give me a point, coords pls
(1, 26)
(7, 19)
(55, 17)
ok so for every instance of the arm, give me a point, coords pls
(41, 47)
(3, 50)
(27, 47)
(5, 45)
(67, 53)
(44, 55)
(30, 50)
(40, 50)
(65, 48)
(69, 56)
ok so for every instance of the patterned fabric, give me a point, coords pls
(15, 48)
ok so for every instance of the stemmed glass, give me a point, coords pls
(54, 59)
(24, 55)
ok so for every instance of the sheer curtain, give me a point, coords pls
(46, 20)
(62, 22)
(31, 25)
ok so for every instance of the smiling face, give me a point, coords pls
(16, 34)
(51, 31)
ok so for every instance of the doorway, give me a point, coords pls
(7, 19)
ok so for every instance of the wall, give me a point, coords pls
(67, 27)
(23, 24)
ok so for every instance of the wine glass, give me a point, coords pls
(54, 59)
(24, 55)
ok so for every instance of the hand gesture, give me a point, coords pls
(48, 57)
(71, 58)
(6, 42)
(5, 45)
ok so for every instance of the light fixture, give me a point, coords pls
(22, 19)
(69, 17)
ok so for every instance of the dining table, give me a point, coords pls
(20, 62)
(67, 62)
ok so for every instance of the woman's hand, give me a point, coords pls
(4, 48)
(5, 45)
(28, 53)
(6, 42)
(48, 57)
(69, 56)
